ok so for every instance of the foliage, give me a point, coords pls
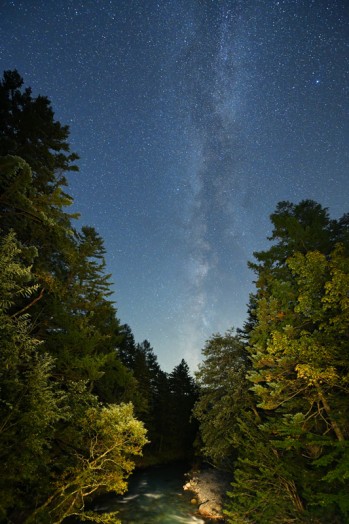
(298, 347)
(111, 438)
(264, 489)
(64, 434)
(223, 396)
(29, 401)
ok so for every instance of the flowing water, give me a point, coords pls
(155, 496)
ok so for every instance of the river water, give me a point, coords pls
(155, 496)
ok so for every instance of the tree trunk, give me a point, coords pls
(327, 408)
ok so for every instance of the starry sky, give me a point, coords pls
(193, 119)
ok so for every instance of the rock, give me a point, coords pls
(210, 487)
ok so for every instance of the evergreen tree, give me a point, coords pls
(160, 437)
(28, 130)
(72, 446)
(223, 397)
(126, 346)
(34, 203)
(183, 394)
(74, 313)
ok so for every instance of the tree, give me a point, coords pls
(126, 346)
(111, 437)
(83, 331)
(300, 228)
(91, 446)
(39, 220)
(30, 403)
(55, 364)
(74, 313)
(298, 348)
(183, 394)
(36, 211)
(223, 396)
(28, 130)
(264, 489)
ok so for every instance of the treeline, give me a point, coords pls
(79, 399)
(274, 405)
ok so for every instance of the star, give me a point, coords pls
(191, 120)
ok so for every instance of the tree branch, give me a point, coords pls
(29, 305)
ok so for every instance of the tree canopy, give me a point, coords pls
(60, 441)
(274, 399)
(298, 347)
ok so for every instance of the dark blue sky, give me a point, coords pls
(192, 118)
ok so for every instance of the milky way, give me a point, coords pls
(192, 120)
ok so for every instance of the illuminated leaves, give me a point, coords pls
(112, 437)
(299, 349)
(313, 376)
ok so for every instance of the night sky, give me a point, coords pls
(193, 119)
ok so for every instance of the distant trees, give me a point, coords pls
(182, 428)
(165, 401)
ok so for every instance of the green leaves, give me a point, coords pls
(223, 396)
(30, 402)
(58, 331)
(298, 347)
(15, 277)
(111, 437)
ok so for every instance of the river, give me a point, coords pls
(155, 496)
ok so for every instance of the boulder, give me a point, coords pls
(210, 487)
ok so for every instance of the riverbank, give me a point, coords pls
(155, 495)
(210, 487)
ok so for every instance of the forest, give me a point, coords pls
(82, 404)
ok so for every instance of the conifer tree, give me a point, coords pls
(70, 355)
(29, 130)
(183, 394)
(223, 397)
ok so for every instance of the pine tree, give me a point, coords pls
(28, 130)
